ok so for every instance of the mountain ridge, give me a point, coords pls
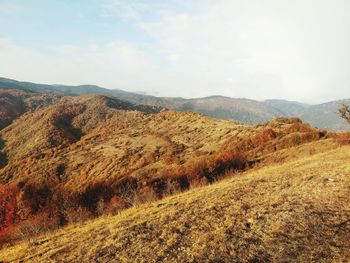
(243, 110)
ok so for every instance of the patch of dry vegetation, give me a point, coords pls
(298, 211)
(343, 138)
(88, 156)
(66, 160)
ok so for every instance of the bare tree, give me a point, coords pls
(344, 112)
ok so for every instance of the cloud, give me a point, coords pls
(127, 10)
(265, 49)
(295, 50)
(117, 64)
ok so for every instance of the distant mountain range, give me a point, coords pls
(239, 109)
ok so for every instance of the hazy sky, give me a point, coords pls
(296, 50)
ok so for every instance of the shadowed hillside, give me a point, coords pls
(13, 103)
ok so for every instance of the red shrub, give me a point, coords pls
(267, 135)
(8, 211)
(25, 210)
(299, 127)
(8, 205)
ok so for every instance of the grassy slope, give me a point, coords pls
(298, 211)
(115, 142)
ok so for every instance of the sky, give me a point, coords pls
(257, 49)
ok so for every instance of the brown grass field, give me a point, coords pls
(97, 179)
(297, 211)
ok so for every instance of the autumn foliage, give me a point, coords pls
(343, 138)
(31, 207)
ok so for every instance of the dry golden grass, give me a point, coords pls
(92, 155)
(113, 142)
(298, 211)
(52, 156)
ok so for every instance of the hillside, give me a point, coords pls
(14, 103)
(287, 108)
(326, 115)
(298, 211)
(242, 110)
(77, 158)
(86, 156)
(54, 126)
(84, 90)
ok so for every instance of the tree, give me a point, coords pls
(344, 112)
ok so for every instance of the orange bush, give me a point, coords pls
(116, 204)
(343, 138)
(204, 170)
(35, 225)
(267, 135)
(146, 194)
(299, 127)
(198, 182)
(8, 212)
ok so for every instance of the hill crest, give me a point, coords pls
(242, 110)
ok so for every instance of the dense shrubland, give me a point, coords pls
(45, 207)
